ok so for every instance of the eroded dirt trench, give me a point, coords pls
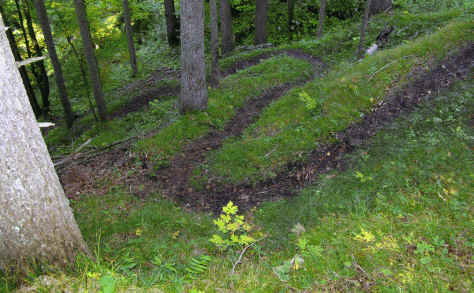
(174, 183)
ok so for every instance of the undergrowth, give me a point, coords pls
(309, 116)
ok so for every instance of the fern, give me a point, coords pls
(198, 266)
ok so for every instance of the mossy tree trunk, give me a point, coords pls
(171, 23)
(226, 27)
(90, 58)
(129, 32)
(322, 15)
(36, 223)
(193, 74)
(58, 72)
(261, 22)
(214, 43)
(363, 29)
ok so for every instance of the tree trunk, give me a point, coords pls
(291, 16)
(90, 58)
(43, 81)
(261, 22)
(193, 74)
(226, 27)
(322, 14)
(131, 46)
(380, 6)
(214, 43)
(58, 72)
(24, 75)
(171, 23)
(363, 29)
(36, 222)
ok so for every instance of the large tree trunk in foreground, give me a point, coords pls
(363, 29)
(24, 75)
(90, 58)
(171, 23)
(226, 27)
(58, 72)
(36, 222)
(322, 14)
(214, 43)
(261, 22)
(128, 30)
(43, 80)
(193, 74)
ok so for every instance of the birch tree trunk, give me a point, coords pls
(171, 23)
(58, 72)
(214, 43)
(36, 222)
(193, 74)
(261, 22)
(129, 32)
(90, 57)
(226, 27)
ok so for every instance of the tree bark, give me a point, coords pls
(24, 75)
(131, 46)
(214, 43)
(36, 222)
(380, 6)
(171, 23)
(58, 72)
(363, 29)
(90, 58)
(261, 22)
(291, 16)
(226, 27)
(43, 80)
(193, 74)
(322, 15)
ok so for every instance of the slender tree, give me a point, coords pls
(36, 222)
(363, 29)
(23, 73)
(261, 22)
(43, 80)
(214, 43)
(128, 30)
(322, 14)
(58, 72)
(90, 57)
(171, 23)
(193, 74)
(226, 26)
(291, 18)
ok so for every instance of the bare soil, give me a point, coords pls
(118, 166)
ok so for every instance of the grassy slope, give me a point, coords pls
(398, 219)
(224, 101)
(310, 115)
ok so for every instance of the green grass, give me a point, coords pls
(309, 116)
(398, 219)
(224, 101)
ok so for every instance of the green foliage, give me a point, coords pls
(233, 231)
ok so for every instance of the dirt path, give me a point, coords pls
(174, 180)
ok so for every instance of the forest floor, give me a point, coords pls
(174, 181)
(353, 176)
